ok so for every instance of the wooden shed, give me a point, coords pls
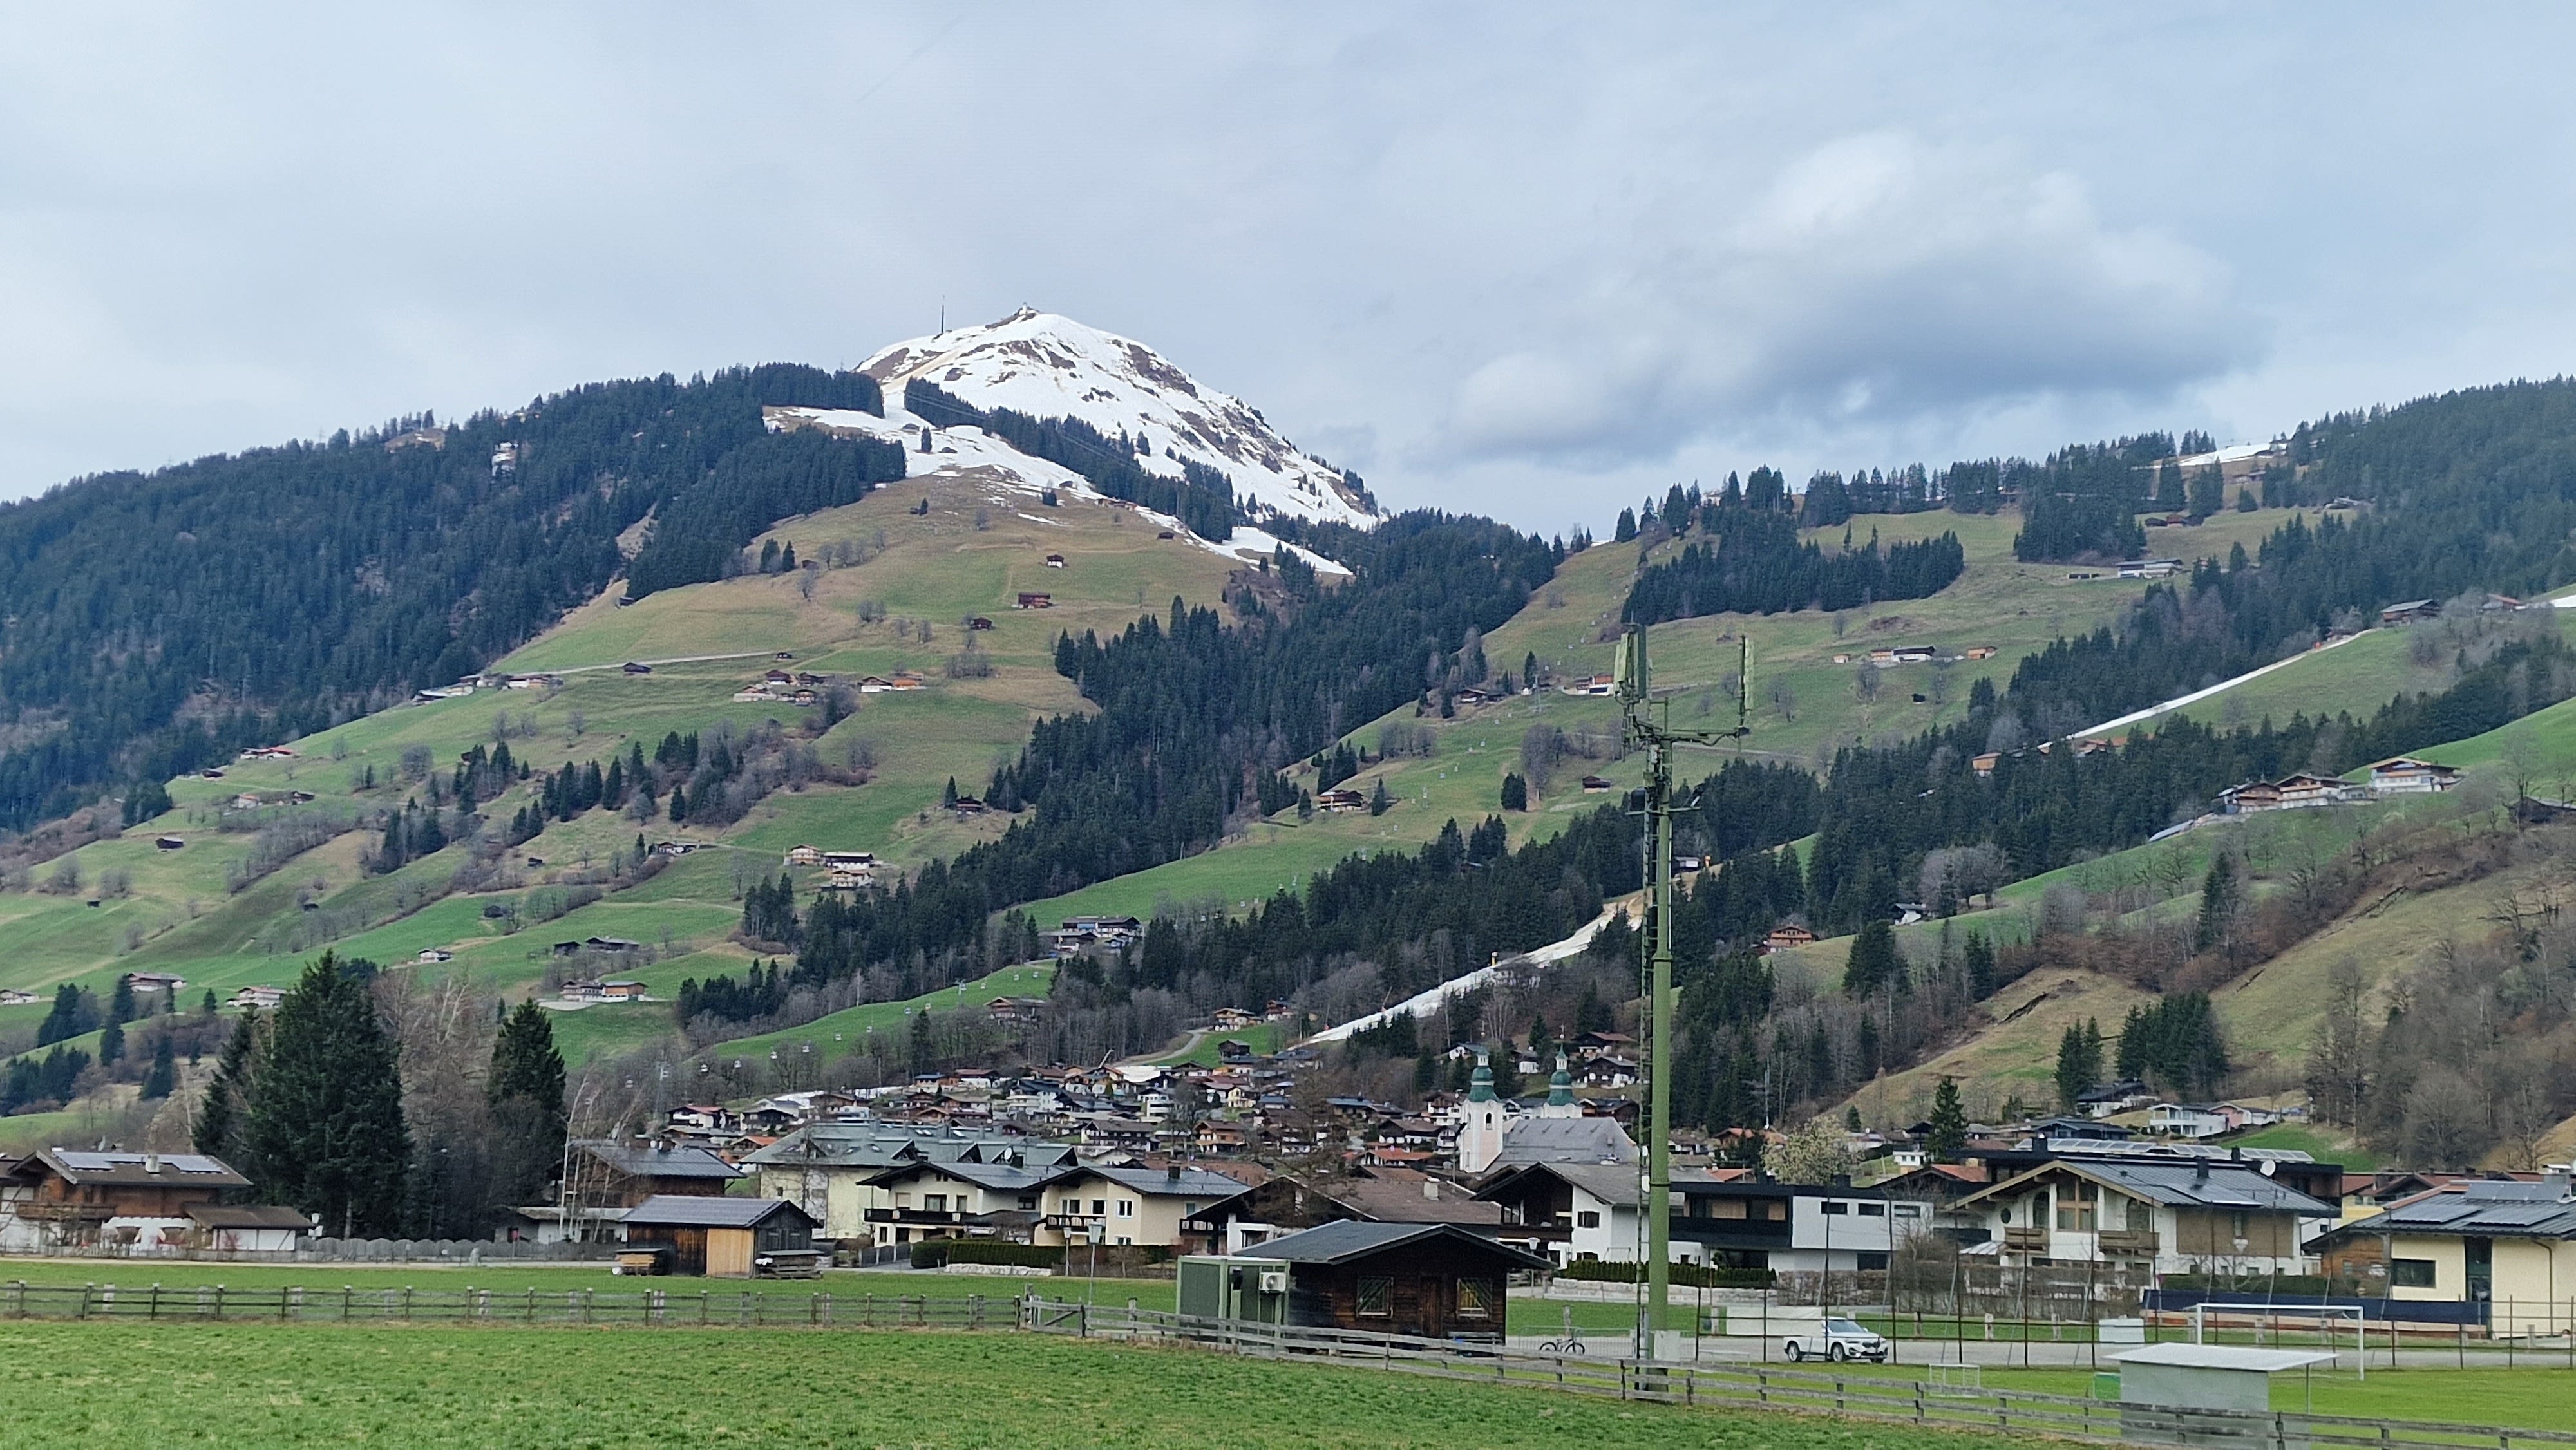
(724, 1238)
(1437, 1280)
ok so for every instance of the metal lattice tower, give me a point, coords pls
(1648, 725)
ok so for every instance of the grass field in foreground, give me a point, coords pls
(91, 1384)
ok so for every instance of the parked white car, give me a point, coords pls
(1836, 1340)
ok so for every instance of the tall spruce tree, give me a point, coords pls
(220, 1118)
(324, 1131)
(163, 1075)
(526, 1091)
(1949, 1123)
(1873, 965)
(2079, 1061)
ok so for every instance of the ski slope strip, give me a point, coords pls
(1049, 366)
(1424, 1003)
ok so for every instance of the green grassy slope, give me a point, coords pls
(175, 913)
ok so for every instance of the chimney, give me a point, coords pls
(151, 1162)
(1172, 1174)
(1431, 1188)
(2200, 1170)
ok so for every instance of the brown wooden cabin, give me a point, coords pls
(725, 1238)
(1436, 1280)
(622, 1175)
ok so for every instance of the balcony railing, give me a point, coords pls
(2129, 1241)
(2026, 1240)
(912, 1215)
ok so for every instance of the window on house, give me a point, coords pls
(1775, 1211)
(1730, 1208)
(1872, 1263)
(1189, 1209)
(2142, 1214)
(1100, 1208)
(1587, 1219)
(1907, 1210)
(1126, 1208)
(903, 1200)
(935, 1202)
(1475, 1298)
(2411, 1273)
(1836, 1206)
(1873, 1210)
(1373, 1296)
(2074, 1217)
(2236, 1223)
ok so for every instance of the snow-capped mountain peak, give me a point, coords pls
(1049, 366)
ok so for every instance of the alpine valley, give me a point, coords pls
(1017, 700)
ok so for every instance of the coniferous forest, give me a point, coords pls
(159, 622)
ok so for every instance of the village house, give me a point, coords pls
(1341, 799)
(803, 856)
(1165, 1207)
(979, 622)
(1033, 600)
(2409, 611)
(1593, 685)
(12, 997)
(1781, 938)
(2203, 1215)
(2404, 775)
(258, 999)
(1055, 561)
(1595, 784)
(2150, 568)
(958, 1200)
(67, 1198)
(2109, 1099)
(1980, 652)
(430, 956)
(2510, 1245)
(830, 1168)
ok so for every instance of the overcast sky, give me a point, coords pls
(1533, 264)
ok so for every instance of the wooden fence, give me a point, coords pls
(1746, 1385)
(1761, 1387)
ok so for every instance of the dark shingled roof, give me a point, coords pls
(683, 1210)
(646, 1162)
(1336, 1243)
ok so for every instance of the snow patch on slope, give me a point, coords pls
(1049, 366)
(971, 455)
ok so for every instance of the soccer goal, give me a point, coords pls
(1956, 1379)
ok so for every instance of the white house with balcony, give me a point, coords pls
(2179, 1217)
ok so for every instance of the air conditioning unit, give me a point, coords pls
(1274, 1281)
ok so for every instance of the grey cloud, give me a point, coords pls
(1875, 278)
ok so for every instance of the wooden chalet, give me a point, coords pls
(68, 1198)
(622, 1175)
(1436, 1280)
(1029, 599)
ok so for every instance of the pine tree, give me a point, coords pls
(1873, 964)
(120, 1003)
(2218, 903)
(324, 1128)
(163, 1075)
(1379, 800)
(679, 804)
(219, 1119)
(1977, 958)
(2079, 1061)
(1627, 528)
(1949, 1123)
(526, 1093)
(111, 1043)
(1515, 792)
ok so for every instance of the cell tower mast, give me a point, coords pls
(1648, 725)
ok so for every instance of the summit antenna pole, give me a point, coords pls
(1648, 724)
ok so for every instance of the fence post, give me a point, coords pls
(153, 1309)
(219, 1302)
